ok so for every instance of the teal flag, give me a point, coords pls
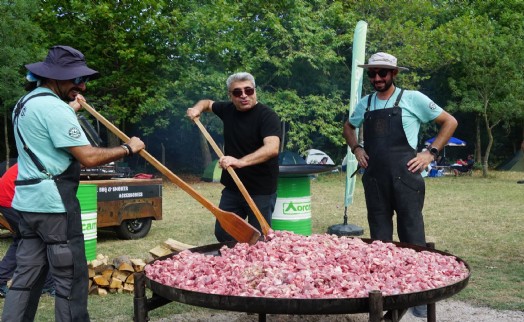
(359, 52)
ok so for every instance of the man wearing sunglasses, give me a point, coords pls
(391, 119)
(251, 143)
(51, 146)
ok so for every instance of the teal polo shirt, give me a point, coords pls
(416, 107)
(49, 126)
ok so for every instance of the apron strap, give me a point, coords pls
(399, 97)
(34, 158)
(369, 102)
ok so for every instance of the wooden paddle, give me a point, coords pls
(263, 223)
(5, 223)
(235, 226)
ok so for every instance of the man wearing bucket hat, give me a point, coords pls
(51, 146)
(391, 119)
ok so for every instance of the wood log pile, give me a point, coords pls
(116, 276)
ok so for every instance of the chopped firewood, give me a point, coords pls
(100, 280)
(127, 267)
(104, 259)
(108, 272)
(121, 275)
(149, 258)
(95, 263)
(129, 288)
(138, 264)
(160, 251)
(101, 291)
(123, 263)
(175, 245)
(115, 283)
(130, 279)
(101, 268)
(117, 275)
(93, 289)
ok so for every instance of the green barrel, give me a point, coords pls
(293, 207)
(88, 204)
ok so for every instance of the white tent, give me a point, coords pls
(314, 156)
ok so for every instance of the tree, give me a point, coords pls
(157, 58)
(485, 76)
(20, 37)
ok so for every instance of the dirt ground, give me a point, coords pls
(447, 311)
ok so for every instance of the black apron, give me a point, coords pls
(388, 184)
(67, 184)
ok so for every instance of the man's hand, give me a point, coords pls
(228, 161)
(192, 113)
(76, 103)
(200, 107)
(362, 157)
(136, 144)
(420, 162)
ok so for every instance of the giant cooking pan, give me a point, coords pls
(264, 305)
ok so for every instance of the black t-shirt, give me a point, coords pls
(244, 133)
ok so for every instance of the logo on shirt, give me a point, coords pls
(432, 106)
(75, 132)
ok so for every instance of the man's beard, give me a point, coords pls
(387, 85)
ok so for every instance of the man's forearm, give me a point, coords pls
(350, 134)
(267, 151)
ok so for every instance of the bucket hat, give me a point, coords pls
(62, 63)
(382, 60)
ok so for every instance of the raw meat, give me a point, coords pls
(317, 266)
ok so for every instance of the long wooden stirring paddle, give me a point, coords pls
(235, 226)
(263, 223)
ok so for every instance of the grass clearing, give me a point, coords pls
(477, 219)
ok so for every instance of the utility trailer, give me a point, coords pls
(127, 205)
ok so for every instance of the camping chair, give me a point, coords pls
(464, 170)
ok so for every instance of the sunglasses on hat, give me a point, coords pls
(381, 72)
(80, 80)
(237, 92)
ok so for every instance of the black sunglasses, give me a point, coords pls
(237, 92)
(381, 72)
(80, 80)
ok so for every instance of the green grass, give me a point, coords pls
(477, 219)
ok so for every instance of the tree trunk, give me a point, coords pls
(488, 147)
(6, 142)
(478, 143)
(206, 152)
(283, 138)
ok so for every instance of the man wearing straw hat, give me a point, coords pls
(51, 146)
(391, 119)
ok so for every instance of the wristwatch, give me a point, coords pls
(434, 151)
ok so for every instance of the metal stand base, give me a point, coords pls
(345, 230)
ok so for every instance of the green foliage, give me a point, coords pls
(19, 36)
(157, 58)
(129, 43)
(485, 67)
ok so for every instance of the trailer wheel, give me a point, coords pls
(133, 228)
